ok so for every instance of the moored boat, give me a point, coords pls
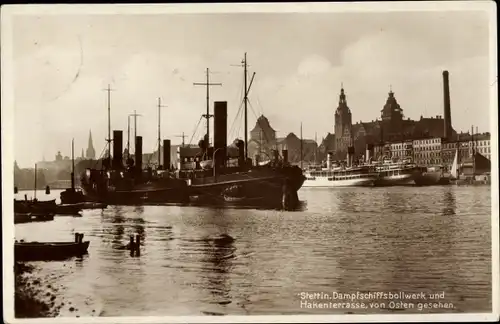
(335, 175)
(431, 176)
(20, 218)
(397, 173)
(45, 251)
(69, 209)
(214, 177)
(35, 206)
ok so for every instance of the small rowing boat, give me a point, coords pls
(44, 251)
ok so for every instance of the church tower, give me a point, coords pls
(343, 124)
(90, 149)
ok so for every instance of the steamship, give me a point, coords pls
(215, 177)
(335, 175)
(119, 183)
(206, 177)
(394, 173)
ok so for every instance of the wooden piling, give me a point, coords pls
(137, 245)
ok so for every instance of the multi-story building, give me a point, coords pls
(466, 144)
(401, 150)
(480, 143)
(427, 151)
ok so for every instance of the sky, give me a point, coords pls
(62, 63)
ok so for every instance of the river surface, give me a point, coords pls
(433, 240)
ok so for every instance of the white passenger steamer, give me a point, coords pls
(335, 175)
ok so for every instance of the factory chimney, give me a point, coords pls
(447, 108)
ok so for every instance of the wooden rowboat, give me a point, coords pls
(20, 218)
(45, 251)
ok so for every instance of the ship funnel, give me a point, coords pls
(138, 153)
(285, 156)
(166, 154)
(220, 133)
(447, 106)
(350, 155)
(369, 152)
(329, 159)
(117, 149)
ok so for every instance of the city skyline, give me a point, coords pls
(300, 66)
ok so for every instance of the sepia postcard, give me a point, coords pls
(259, 162)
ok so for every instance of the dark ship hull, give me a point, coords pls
(259, 187)
(99, 188)
(432, 178)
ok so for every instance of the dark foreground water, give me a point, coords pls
(434, 240)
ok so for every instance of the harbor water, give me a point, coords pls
(211, 261)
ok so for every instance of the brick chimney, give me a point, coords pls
(447, 108)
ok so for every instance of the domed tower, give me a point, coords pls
(392, 116)
(392, 110)
(343, 124)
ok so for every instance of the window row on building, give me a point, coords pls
(436, 150)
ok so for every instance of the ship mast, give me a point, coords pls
(159, 138)
(108, 140)
(135, 115)
(315, 148)
(35, 183)
(246, 108)
(301, 150)
(207, 115)
(247, 86)
(73, 164)
(473, 152)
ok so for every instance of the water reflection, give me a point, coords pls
(113, 221)
(449, 201)
(248, 261)
(218, 252)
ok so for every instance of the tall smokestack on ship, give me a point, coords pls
(447, 108)
(220, 133)
(350, 156)
(166, 154)
(138, 153)
(117, 149)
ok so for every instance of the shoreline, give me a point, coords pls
(28, 302)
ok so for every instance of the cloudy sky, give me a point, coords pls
(62, 63)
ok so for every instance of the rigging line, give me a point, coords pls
(240, 95)
(100, 156)
(240, 99)
(241, 120)
(195, 129)
(233, 125)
